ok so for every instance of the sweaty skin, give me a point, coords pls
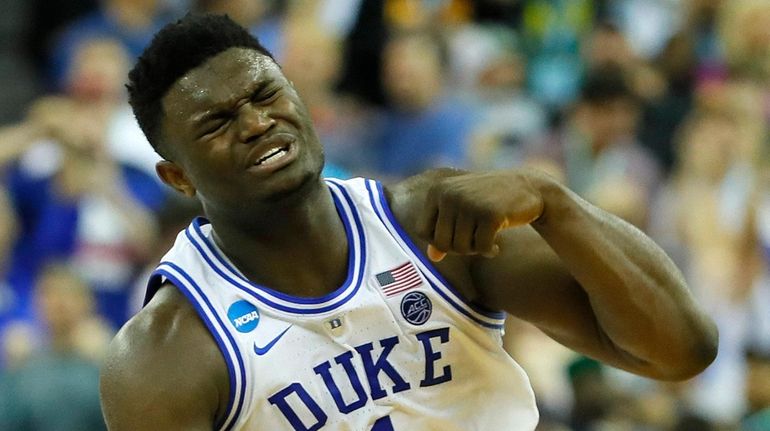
(511, 240)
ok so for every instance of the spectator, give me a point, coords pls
(132, 22)
(252, 14)
(424, 128)
(82, 190)
(591, 393)
(312, 62)
(96, 81)
(362, 59)
(174, 216)
(57, 390)
(667, 108)
(598, 149)
(758, 391)
(648, 24)
(551, 33)
(76, 203)
(709, 206)
(607, 46)
(375, 21)
(496, 74)
(702, 23)
(744, 26)
(18, 342)
(47, 19)
(9, 300)
(18, 81)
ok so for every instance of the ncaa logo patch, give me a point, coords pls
(243, 315)
(416, 308)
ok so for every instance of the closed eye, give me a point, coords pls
(264, 95)
(215, 127)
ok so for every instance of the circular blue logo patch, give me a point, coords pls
(243, 315)
(416, 308)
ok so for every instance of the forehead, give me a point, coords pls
(218, 80)
(413, 49)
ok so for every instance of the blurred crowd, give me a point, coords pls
(655, 110)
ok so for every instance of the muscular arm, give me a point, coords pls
(589, 280)
(163, 371)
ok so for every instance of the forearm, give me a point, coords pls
(139, 222)
(639, 298)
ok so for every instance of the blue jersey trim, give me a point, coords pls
(257, 291)
(496, 315)
(231, 368)
(462, 310)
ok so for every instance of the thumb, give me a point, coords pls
(434, 254)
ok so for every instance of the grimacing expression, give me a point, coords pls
(239, 132)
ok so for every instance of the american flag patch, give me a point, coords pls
(399, 279)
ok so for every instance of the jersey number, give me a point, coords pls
(383, 424)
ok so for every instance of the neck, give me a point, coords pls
(62, 340)
(305, 232)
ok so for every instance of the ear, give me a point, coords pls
(173, 175)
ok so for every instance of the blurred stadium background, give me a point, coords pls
(656, 110)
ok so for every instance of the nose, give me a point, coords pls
(253, 122)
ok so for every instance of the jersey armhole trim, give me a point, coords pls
(226, 343)
(153, 284)
(481, 315)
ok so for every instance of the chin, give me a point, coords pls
(296, 187)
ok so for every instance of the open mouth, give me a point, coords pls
(273, 153)
(273, 156)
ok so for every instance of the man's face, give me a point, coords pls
(611, 121)
(411, 73)
(239, 132)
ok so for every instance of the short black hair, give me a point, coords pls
(176, 49)
(606, 83)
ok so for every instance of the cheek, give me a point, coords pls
(213, 158)
(293, 110)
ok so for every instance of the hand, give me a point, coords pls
(52, 114)
(463, 214)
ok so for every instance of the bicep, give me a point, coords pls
(132, 402)
(528, 280)
(155, 387)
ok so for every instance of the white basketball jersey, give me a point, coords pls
(394, 348)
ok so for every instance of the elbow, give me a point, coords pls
(699, 354)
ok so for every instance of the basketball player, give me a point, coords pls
(307, 304)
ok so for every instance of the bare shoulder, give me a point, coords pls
(163, 370)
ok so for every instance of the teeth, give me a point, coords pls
(272, 156)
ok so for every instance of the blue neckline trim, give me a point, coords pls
(497, 315)
(254, 289)
(231, 368)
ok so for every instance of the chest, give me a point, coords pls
(375, 351)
